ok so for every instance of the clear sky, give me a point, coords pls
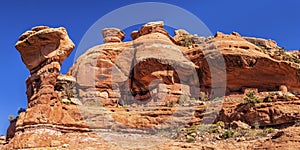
(271, 19)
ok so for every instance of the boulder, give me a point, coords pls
(283, 89)
(148, 28)
(239, 124)
(112, 35)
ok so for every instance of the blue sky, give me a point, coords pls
(275, 19)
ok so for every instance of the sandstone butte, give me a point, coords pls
(157, 92)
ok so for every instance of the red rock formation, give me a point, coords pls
(43, 49)
(247, 65)
(112, 35)
(126, 71)
(265, 114)
(11, 130)
(157, 80)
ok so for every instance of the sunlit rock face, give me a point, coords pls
(41, 44)
(153, 82)
(131, 72)
(43, 50)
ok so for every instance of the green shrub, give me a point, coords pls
(68, 102)
(286, 97)
(289, 58)
(193, 99)
(228, 134)
(281, 51)
(220, 124)
(263, 48)
(192, 129)
(93, 103)
(203, 96)
(190, 139)
(217, 99)
(187, 41)
(251, 98)
(11, 117)
(242, 132)
(214, 129)
(270, 130)
(65, 101)
(68, 91)
(269, 97)
(297, 60)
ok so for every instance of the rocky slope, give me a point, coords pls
(158, 92)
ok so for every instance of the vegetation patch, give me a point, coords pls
(251, 98)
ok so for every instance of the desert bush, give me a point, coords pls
(214, 129)
(280, 51)
(11, 117)
(286, 97)
(269, 97)
(68, 90)
(193, 99)
(270, 130)
(95, 103)
(217, 99)
(190, 139)
(192, 129)
(220, 124)
(289, 58)
(187, 41)
(297, 60)
(203, 96)
(251, 98)
(242, 132)
(228, 134)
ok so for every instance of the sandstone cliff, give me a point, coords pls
(220, 92)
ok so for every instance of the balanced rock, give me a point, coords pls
(49, 94)
(148, 28)
(43, 43)
(111, 35)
